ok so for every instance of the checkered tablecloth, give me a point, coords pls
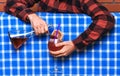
(101, 58)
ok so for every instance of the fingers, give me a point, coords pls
(68, 48)
(40, 29)
(38, 24)
(58, 53)
(60, 44)
(46, 28)
(37, 30)
(61, 53)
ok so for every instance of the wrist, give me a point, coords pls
(30, 16)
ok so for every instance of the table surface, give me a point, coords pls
(33, 58)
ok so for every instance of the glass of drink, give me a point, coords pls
(18, 37)
(51, 46)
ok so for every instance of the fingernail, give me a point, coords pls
(46, 32)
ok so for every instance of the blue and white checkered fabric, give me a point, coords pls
(33, 59)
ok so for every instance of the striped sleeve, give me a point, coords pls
(103, 21)
(20, 8)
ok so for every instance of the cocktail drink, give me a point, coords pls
(53, 40)
(51, 46)
(18, 37)
(17, 42)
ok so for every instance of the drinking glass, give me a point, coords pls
(51, 46)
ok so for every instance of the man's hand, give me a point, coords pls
(39, 25)
(68, 48)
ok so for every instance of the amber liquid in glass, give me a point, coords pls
(17, 42)
(51, 44)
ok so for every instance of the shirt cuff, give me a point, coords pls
(24, 14)
(79, 43)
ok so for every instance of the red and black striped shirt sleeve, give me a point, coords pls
(103, 21)
(20, 8)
